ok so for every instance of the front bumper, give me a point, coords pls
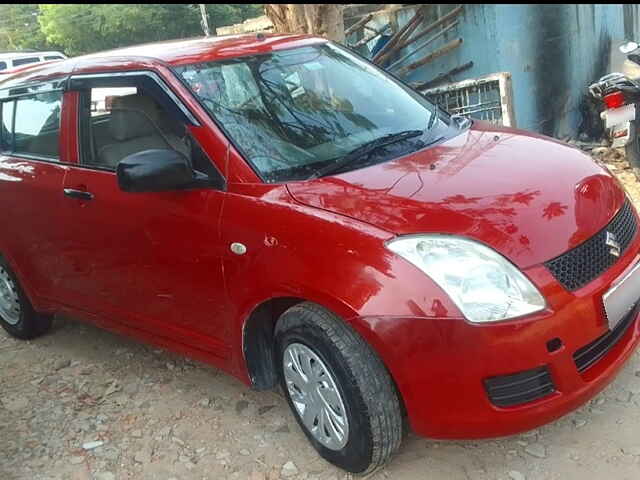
(440, 365)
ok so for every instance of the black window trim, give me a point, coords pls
(32, 60)
(57, 84)
(75, 83)
(27, 155)
(7, 94)
(191, 119)
(65, 83)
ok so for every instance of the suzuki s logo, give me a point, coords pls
(612, 242)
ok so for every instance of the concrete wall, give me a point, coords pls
(553, 53)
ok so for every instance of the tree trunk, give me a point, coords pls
(312, 18)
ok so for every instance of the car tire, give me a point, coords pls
(17, 315)
(345, 375)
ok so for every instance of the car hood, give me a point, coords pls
(529, 197)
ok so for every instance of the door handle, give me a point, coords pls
(79, 194)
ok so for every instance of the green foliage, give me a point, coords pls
(85, 28)
(223, 14)
(19, 27)
(82, 28)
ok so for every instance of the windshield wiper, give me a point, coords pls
(432, 119)
(364, 150)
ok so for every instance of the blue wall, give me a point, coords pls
(553, 53)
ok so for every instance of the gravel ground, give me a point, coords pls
(82, 403)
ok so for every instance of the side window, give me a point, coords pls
(102, 99)
(3, 65)
(119, 121)
(6, 125)
(53, 57)
(36, 128)
(25, 61)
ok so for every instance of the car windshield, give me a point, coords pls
(293, 113)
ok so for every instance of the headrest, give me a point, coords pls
(133, 116)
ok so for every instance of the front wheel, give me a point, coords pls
(340, 392)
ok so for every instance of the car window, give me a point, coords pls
(53, 57)
(6, 125)
(119, 121)
(24, 61)
(3, 65)
(102, 98)
(37, 124)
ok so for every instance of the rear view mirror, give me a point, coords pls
(628, 47)
(154, 171)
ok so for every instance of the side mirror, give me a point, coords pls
(628, 47)
(154, 171)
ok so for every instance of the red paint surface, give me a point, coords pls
(158, 266)
(528, 198)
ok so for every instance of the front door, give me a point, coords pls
(151, 260)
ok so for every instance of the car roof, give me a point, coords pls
(10, 55)
(149, 55)
(202, 49)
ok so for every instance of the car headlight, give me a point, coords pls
(484, 285)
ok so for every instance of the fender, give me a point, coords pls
(294, 250)
(39, 304)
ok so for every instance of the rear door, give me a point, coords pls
(150, 260)
(33, 163)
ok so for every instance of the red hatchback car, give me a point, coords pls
(282, 209)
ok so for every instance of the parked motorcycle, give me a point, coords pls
(620, 93)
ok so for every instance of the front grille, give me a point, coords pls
(523, 387)
(579, 266)
(589, 355)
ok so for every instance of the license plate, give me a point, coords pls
(616, 116)
(622, 297)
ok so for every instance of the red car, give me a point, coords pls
(282, 209)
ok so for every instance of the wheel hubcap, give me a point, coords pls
(315, 395)
(9, 300)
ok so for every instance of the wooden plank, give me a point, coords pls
(437, 23)
(395, 48)
(430, 40)
(356, 26)
(384, 11)
(442, 77)
(432, 56)
(396, 36)
(375, 34)
(416, 18)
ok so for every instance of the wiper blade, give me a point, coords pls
(364, 150)
(434, 116)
